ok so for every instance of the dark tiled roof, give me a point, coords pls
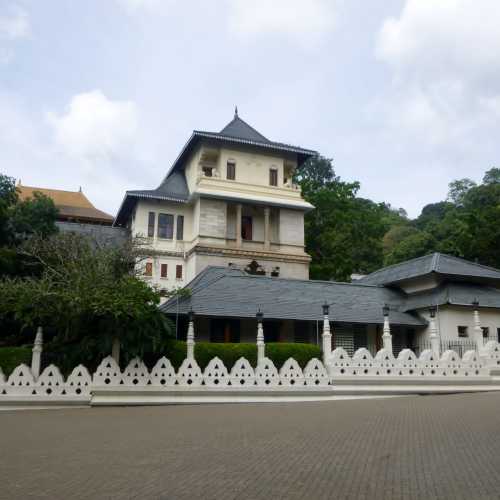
(462, 294)
(434, 263)
(173, 188)
(227, 292)
(240, 129)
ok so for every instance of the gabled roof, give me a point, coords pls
(70, 204)
(227, 292)
(173, 188)
(441, 264)
(240, 129)
(460, 294)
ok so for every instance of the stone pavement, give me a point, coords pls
(411, 447)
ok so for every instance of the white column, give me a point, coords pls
(115, 350)
(267, 229)
(433, 335)
(478, 331)
(36, 357)
(327, 336)
(386, 336)
(238, 225)
(261, 346)
(190, 337)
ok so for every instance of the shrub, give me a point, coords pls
(10, 357)
(229, 353)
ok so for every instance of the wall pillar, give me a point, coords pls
(267, 228)
(478, 331)
(386, 336)
(238, 225)
(327, 336)
(261, 346)
(115, 350)
(190, 336)
(433, 334)
(36, 357)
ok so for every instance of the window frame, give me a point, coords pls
(178, 275)
(243, 227)
(148, 269)
(151, 224)
(169, 234)
(273, 177)
(164, 266)
(231, 169)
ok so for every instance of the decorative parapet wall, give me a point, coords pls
(360, 374)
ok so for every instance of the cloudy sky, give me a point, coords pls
(404, 95)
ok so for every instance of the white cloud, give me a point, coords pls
(14, 24)
(445, 62)
(95, 127)
(133, 6)
(305, 20)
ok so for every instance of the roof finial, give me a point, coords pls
(235, 111)
(80, 189)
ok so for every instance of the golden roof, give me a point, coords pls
(71, 204)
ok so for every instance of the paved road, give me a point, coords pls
(412, 447)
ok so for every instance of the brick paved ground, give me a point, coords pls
(412, 447)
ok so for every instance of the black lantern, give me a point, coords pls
(259, 316)
(475, 304)
(385, 310)
(191, 315)
(326, 309)
(432, 311)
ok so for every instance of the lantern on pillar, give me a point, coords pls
(261, 346)
(327, 336)
(433, 333)
(190, 335)
(386, 336)
(478, 331)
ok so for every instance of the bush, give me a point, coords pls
(10, 357)
(229, 353)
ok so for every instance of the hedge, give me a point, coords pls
(10, 357)
(229, 353)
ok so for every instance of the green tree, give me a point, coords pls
(415, 245)
(492, 176)
(88, 295)
(457, 190)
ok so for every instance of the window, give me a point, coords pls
(498, 334)
(486, 331)
(178, 271)
(165, 226)
(231, 170)
(462, 331)
(246, 227)
(164, 271)
(180, 227)
(207, 171)
(149, 269)
(151, 224)
(273, 177)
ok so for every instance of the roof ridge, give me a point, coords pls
(484, 266)
(398, 264)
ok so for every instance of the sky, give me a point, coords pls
(403, 95)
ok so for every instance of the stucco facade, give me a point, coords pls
(240, 207)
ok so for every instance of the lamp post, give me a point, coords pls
(386, 336)
(434, 338)
(261, 346)
(190, 335)
(478, 331)
(327, 336)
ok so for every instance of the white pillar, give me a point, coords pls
(36, 357)
(190, 337)
(267, 231)
(238, 225)
(115, 350)
(478, 331)
(261, 346)
(386, 336)
(433, 335)
(327, 336)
